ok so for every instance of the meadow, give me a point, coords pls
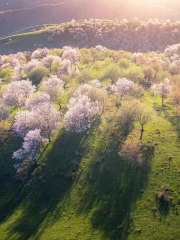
(79, 186)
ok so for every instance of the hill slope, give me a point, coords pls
(64, 11)
(80, 187)
(133, 36)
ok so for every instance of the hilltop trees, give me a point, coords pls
(134, 35)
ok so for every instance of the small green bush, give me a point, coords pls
(124, 63)
(85, 75)
(7, 72)
(135, 74)
(55, 66)
(37, 74)
(112, 72)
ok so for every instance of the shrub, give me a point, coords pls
(124, 63)
(7, 72)
(112, 72)
(174, 69)
(127, 117)
(55, 66)
(85, 75)
(162, 75)
(37, 74)
(131, 151)
(135, 74)
(56, 52)
(149, 73)
(95, 55)
(110, 54)
(123, 55)
(86, 59)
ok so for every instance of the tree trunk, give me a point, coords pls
(49, 138)
(59, 107)
(142, 130)
(162, 100)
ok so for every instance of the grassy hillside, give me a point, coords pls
(81, 188)
(45, 12)
(133, 36)
(107, 201)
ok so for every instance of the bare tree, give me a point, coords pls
(143, 117)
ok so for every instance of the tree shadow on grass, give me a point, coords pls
(113, 187)
(44, 190)
(172, 117)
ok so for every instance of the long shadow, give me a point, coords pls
(113, 188)
(173, 118)
(45, 189)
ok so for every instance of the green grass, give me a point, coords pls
(105, 198)
(109, 200)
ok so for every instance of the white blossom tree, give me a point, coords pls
(95, 83)
(48, 60)
(123, 86)
(65, 69)
(31, 146)
(72, 55)
(100, 48)
(54, 87)
(17, 92)
(24, 122)
(48, 119)
(31, 65)
(95, 93)
(44, 117)
(162, 89)
(80, 114)
(39, 53)
(38, 99)
(83, 89)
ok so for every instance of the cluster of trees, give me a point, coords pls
(133, 35)
(53, 89)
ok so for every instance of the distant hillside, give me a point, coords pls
(19, 4)
(132, 36)
(58, 11)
